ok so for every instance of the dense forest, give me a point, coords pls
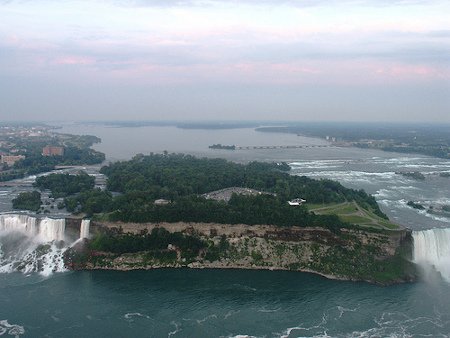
(156, 242)
(182, 179)
(172, 176)
(27, 201)
(62, 185)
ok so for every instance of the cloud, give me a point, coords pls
(225, 44)
(292, 3)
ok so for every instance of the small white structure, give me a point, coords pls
(161, 202)
(297, 201)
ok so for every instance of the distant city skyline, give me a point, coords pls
(347, 60)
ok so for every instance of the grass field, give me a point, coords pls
(351, 212)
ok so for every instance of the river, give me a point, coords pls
(231, 303)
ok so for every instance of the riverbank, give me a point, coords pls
(350, 254)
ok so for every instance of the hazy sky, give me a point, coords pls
(161, 60)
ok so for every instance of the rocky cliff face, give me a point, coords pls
(379, 257)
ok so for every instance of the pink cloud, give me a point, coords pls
(75, 60)
(346, 72)
(400, 71)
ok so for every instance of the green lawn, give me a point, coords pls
(351, 212)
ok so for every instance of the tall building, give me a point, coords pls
(11, 159)
(53, 151)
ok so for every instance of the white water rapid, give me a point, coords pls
(29, 244)
(432, 248)
(84, 228)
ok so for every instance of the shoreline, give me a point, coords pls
(352, 255)
(257, 268)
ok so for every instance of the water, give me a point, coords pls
(213, 303)
(84, 228)
(432, 247)
(377, 175)
(28, 244)
(229, 303)
(371, 170)
(123, 143)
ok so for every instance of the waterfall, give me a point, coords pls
(30, 244)
(432, 248)
(84, 228)
(21, 223)
(52, 229)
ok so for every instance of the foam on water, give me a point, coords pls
(29, 244)
(200, 321)
(231, 313)
(383, 193)
(130, 315)
(361, 176)
(10, 329)
(43, 259)
(440, 201)
(398, 160)
(443, 219)
(177, 329)
(317, 164)
(428, 166)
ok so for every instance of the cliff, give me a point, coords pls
(349, 254)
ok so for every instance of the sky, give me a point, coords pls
(299, 60)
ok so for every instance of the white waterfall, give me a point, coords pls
(30, 244)
(432, 248)
(84, 228)
(52, 229)
(21, 223)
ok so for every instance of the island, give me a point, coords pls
(416, 175)
(415, 205)
(220, 146)
(170, 211)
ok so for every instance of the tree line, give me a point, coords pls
(62, 185)
(182, 179)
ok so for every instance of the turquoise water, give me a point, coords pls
(214, 303)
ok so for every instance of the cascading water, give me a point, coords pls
(22, 223)
(52, 229)
(84, 228)
(432, 248)
(29, 244)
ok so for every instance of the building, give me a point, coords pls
(297, 201)
(53, 151)
(11, 159)
(161, 202)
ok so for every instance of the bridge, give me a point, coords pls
(284, 147)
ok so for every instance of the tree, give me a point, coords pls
(28, 201)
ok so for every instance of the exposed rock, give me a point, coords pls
(378, 257)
